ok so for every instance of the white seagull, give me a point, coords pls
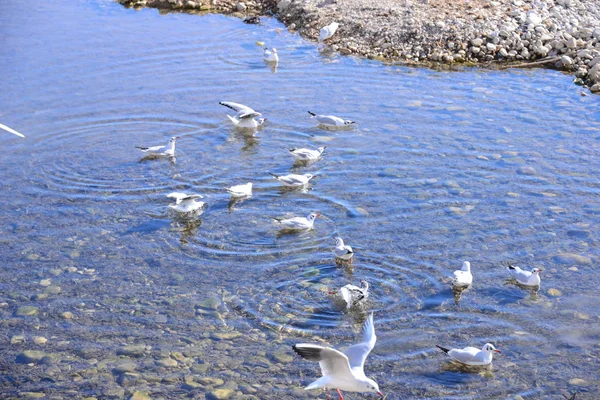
(245, 117)
(328, 31)
(463, 276)
(525, 278)
(343, 371)
(298, 223)
(271, 56)
(185, 203)
(6, 128)
(331, 120)
(353, 295)
(168, 150)
(241, 190)
(307, 154)
(342, 251)
(471, 355)
(293, 180)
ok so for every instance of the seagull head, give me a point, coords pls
(309, 176)
(274, 50)
(173, 139)
(369, 385)
(488, 347)
(322, 149)
(536, 271)
(338, 241)
(466, 266)
(313, 216)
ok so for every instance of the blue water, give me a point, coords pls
(432, 174)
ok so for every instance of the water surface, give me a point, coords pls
(485, 166)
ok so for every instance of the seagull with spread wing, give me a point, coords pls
(343, 371)
(245, 117)
(185, 203)
(330, 120)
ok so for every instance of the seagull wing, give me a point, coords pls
(237, 107)
(178, 196)
(249, 114)
(346, 295)
(6, 128)
(468, 355)
(332, 362)
(357, 354)
(330, 120)
(295, 223)
(293, 179)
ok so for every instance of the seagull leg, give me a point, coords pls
(340, 393)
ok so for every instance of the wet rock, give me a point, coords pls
(554, 292)
(53, 289)
(128, 379)
(67, 315)
(220, 394)
(17, 339)
(137, 395)
(577, 382)
(283, 357)
(33, 395)
(40, 340)
(210, 303)
(208, 381)
(131, 351)
(167, 362)
(225, 335)
(571, 259)
(125, 367)
(26, 311)
(45, 282)
(30, 356)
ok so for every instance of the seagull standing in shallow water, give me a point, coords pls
(525, 278)
(185, 203)
(471, 355)
(245, 117)
(463, 276)
(158, 151)
(271, 56)
(293, 180)
(343, 371)
(307, 154)
(330, 120)
(241, 190)
(353, 295)
(342, 251)
(298, 223)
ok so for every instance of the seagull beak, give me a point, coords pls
(381, 394)
(497, 351)
(331, 292)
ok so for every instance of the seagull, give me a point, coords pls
(307, 154)
(331, 120)
(342, 252)
(6, 128)
(471, 355)
(298, 223)
(293, 180)
(463, 276)
(353, 295)
(525, 278)
(241, 190)
(328, 31)
(185, 203)
(343, 371)
(271, 56)
(245, 117)
(157, 151)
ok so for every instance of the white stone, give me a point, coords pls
(533, 18)
(283, 5)
(241, 6)
(477, 42)
(596, 34)
(594, 73)
(595, 88)
(503, 52)
(566, 61)
(571, 43)
(490, 47)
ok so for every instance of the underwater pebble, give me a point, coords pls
(39, 340)
(26, 311)
(17, 339)
(220, 394)
(554, 292)
(45, 282)
(571, 259)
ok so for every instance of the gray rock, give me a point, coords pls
(26, 311)
(477, 42)
(241, 7)
(131, 350)
(566, 61)
(571, 259)
(30, 356)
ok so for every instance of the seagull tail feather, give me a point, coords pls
(272, 174)
(445, 350)
(319, 383)
(312, 114)
(141, 148)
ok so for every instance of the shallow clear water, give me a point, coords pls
(432, 175)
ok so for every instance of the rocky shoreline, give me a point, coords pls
(560, 34)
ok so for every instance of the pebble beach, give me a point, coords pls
(560, 34)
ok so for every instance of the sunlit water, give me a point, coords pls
(432, 174)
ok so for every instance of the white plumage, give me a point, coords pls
(168, 150)
(307, 154)
(342, 251)
(330, 120)
(526, 278)
(245, 117)
(343, 371)
(328, 31)
(463, 276)
(354, 295)
(298, 223)
(472, 355)
(271, 56)
(293, 180)
(241, 190)
(185, 203)
(11, 130)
